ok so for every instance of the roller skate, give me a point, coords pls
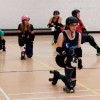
(54, 42)
(67, 90)
(70, 87)
(23, 55)
(55, 77)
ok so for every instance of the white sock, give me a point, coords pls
(22, 48)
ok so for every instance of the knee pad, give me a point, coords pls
(21, 41)
(60, 61)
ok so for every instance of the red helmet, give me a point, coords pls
(25, 18)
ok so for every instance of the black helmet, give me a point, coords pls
(56, 12)
(71, 20)
(74, 12)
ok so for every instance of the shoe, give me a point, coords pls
(98, 52)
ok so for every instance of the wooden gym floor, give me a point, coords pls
(28, 79)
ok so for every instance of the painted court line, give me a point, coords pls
(48, 92)
(62, 97)
(6, 96)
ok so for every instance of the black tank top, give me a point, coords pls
(70, 44)
(55, 22)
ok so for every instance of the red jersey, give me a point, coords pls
(80, 26)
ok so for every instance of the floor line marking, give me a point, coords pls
(48, 92)
(3, 92)
(57, 97)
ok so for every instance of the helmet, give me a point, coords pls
(74, 12)
(1, 33)
(25, 18)
(56, 12)
(71, 20)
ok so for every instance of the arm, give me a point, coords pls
(60, 48)
(60, 40)
(32, 29)
(50, 24)
(60, 20)
(79, 41)
(19, 30)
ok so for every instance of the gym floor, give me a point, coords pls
(28, 79)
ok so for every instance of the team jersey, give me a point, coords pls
(27, 33)
(72, 45)
(55, 22)
(80, 26)
(31, 28)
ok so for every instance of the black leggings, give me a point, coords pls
(56, 34)
(90, 40)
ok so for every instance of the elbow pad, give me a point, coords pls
(59, 50)
(62, 51)
(79, 52)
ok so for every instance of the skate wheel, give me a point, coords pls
(50, 79)
(51, 71)
(72, 91)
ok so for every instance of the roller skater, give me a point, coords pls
(2, 41)
(55, 23)
(85, 36)
(26, 38)
(69, 55)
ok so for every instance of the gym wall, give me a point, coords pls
(41, 10)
